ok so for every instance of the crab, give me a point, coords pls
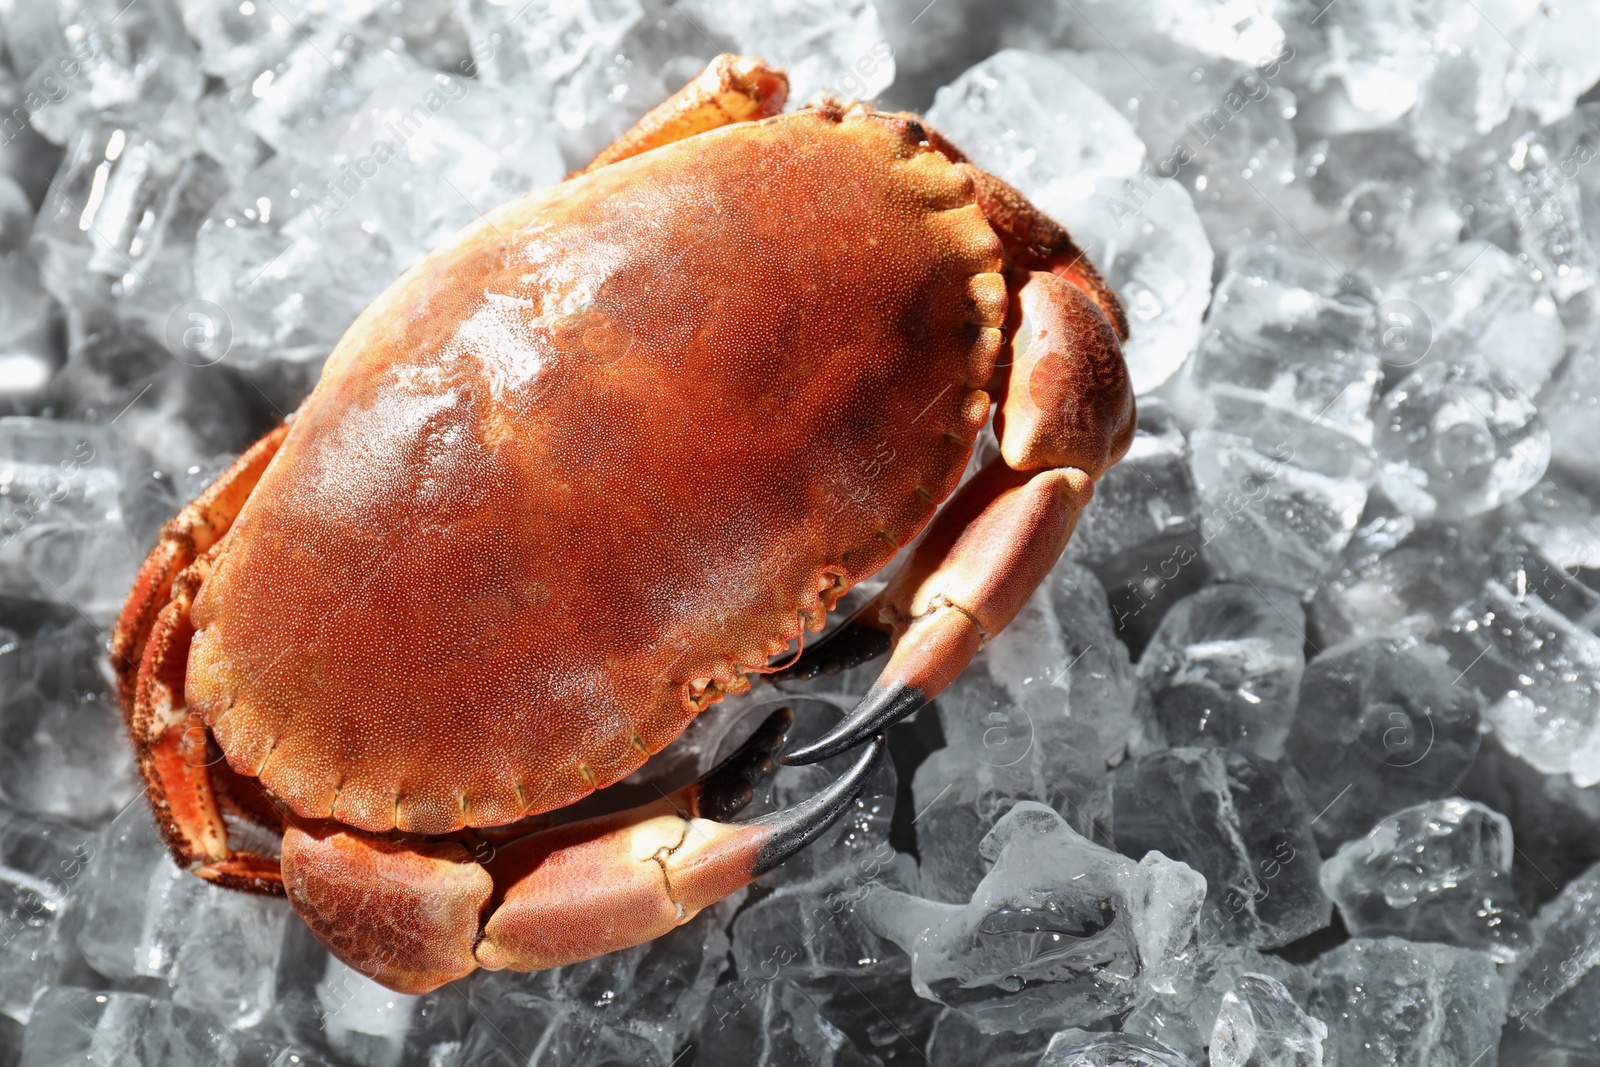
(591, 466)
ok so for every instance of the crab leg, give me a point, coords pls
(1066, 415)
(150, 651)
(416, 914)
(731, 89)
(191, 532)
(1033, 240)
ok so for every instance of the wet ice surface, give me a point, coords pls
(1240, 822)
(1260, 1025)
(1438, 871)
(1295, 759)
(1400, 1003)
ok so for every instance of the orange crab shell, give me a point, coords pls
(578, 472)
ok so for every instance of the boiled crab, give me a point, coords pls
(583, 471)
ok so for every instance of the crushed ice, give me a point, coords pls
(1295, 759)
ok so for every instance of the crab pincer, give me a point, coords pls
(558, 895)
(1066, 415)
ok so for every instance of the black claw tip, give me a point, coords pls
(852, 644)
(795, 827)
(880, 709)
(728, 787)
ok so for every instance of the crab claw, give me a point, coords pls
(606, 884)
(415, 914)
(857, 640)
(1066, 415)
(404, 913)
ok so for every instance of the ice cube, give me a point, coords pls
(145, 918)
(1240, 822)
(1140, 534)
(302, 106)
(1397, 577)
(932, 45)
(1059, 931)
(41, 860)
(74, 1025)
(598, 65)
(1400, 1004)
(1519, 566)
(812, 930)
(116, 232)
(996, 759)
(295, 252)
(1282, 383)
(29, 353)
(1027, 119)
(1148, 241)
(16, 216)
(1559, 72)
(834, 46)
(1520, 1045)
(956, 1042)
(1457, 439)
(1060, 662)
(1447, 74)
(1437, 871)
(62, 745)
(1556, 824)
(672, 982)
(1279, 495)
(25, 156)
(1146, 499)
(953, 815)
(221, 132)
(1538, 669)
(364, 1020)
(184, 420)
(63, 530)
(1378, 60)
(1545, 181)
(1221, 129)
(225, 959)
(1260, 1025)
(428, 153)
(537, 1030)
(1186, 1018)
(1569, 404)
(1223, 669)
(1296, 332)
(638, 1005)
(1243, 30)
(1035, 717)
(1010, 752)
(1558, 517)
(882, 1016)
(241, 42)
(780, 1024)
(1079, 1048)
(342, 1015)
(92, 58)
(286, 271)
(577, 60)
(1557, 990)
(1477, 302)
(1381, 725)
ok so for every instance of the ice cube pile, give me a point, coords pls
(1293, 760)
